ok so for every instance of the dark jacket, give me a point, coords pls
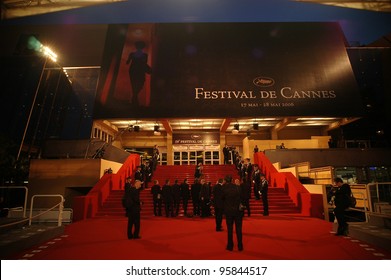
(249, 172)
(131, 201)
(342, 196)
(176, 192)
(138, 175)
(264, 186)
(231, 199)
(256, 177)
(205, 192)
(218, 196)
(156, 191)
(245, 191)
(195, 191)
(167, 193)
(185, 191)
(198, 172)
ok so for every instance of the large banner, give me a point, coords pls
(226, 70)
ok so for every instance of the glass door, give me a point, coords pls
(193, 157)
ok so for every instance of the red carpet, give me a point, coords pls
(280, 237)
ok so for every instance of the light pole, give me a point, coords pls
(49, 54)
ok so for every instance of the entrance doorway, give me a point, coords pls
(187, 155)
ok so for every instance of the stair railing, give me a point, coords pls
(361, 196)
(379, 197)
(60, 206)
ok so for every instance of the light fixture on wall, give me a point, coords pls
(156, 130)
(255, 126)
(136, 128)
(236, 129)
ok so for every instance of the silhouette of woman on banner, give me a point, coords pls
(137, 70)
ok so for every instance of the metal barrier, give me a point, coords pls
(42, 215)
(60, 207)
(25, 196)
(370, 199)
(361, 196)
(321, 175)
(380, 197)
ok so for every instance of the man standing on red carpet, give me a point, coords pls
(263, 192)
(341, 201)
(218, 204)
(231, 201)
(132, 203)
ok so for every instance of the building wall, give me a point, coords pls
(334, 157)
(316, 142)
(57, 175)
(299, 132)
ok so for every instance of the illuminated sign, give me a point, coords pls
(226, 70)
(196, 139)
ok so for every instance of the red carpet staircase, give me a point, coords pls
(279, 201)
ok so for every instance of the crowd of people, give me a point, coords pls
(227, 198)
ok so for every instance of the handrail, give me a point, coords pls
(33, 217)
(87, 206)
(362, 192)
(357, 195)
(376, 185)
(359, 209)
(25, 197)
(60, 207)
(313, 173)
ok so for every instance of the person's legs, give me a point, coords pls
(159, 207)
(230, 242)
(177, 204)
(136, 222)
(185, 201)
(265, 203)
(238, 229)
(247, 204)
(342, 224)
(218, 218)
(130, 226)
(256, 193)
(155, 205)
(167, 208)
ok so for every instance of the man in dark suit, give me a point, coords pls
(263, 192)
(195, 197)
(226, 154)
(128, 183)
(168, 199)
(176, 195)
(231, 202)
(185, 195)
(205, 199)
(146, 170)
(341, 201)
(256, 178)
(156, 192)
(138, 175)
(132, 204)
(218, 204)
(248, 173)
(245, 193)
